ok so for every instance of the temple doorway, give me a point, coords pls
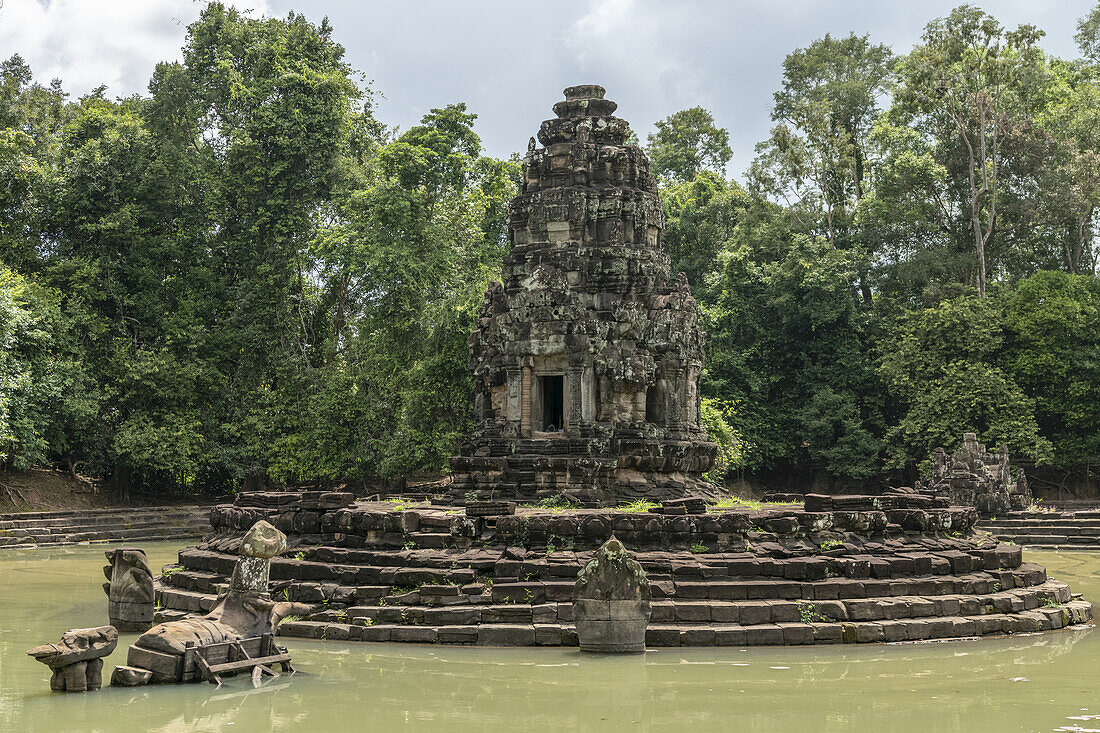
(553, 402)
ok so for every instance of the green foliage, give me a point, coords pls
(641, 505)
(700, 216)
(788, 341)
(686, 143)
(736, 502)
(941, 368)
(243, 277)
(1052, 325)
(716, 416)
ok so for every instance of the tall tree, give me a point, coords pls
(686, 143)
(970, 83)
(816, 158)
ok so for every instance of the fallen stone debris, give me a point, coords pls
(235, 636)
(77, 660)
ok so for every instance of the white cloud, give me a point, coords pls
(86, 43)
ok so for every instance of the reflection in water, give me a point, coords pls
(1042, 682)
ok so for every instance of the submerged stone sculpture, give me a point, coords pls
(972, 476)
(245, 612)
(587, 357)
(77, 660)
(611, 606)
(130, 602)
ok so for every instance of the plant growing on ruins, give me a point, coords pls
(699, 548)
(736, 502)
(807, 614)
(640, 505)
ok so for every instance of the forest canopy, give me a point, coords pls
(244, 277)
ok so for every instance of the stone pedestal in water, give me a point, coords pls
(77, 660)
(130, 603)
(611, 602)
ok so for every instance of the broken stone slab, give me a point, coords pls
(76, 660)
(124, 676)
(611, 607)
(490, 508)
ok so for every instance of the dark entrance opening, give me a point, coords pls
(553, 402)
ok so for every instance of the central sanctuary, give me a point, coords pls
(587, 357)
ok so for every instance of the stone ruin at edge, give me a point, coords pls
(587, 357)
(972, 476)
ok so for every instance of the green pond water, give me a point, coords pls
(1044, 682)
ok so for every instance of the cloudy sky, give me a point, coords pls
(510, 59)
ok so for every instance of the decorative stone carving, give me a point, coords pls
(245, 612)
(587, 357)
(130, 602)
(611, 606)
(972, 476)
(77, 660)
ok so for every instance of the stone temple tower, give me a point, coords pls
(587, 357)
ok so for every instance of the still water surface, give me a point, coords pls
(1047, 682)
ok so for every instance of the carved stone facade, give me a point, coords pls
(587, 357)
(972, 476)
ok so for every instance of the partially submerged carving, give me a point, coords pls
(242, 623)
(77, 660)
(972, 476)
(611, 606)
(130, 602)
(587, 357)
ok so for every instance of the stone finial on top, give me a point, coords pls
(584, 91)
(585, 100)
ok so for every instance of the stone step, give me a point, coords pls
(1053, 521)
(448, 605)
(705, 634)
(361, 567)
(1047, 529)
(95, 517)
(1052, 539)
(174, 599)
(68, 529)
(743, 612)
(151, 534)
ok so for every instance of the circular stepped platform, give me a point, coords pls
(731, 577)
(129, 524)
